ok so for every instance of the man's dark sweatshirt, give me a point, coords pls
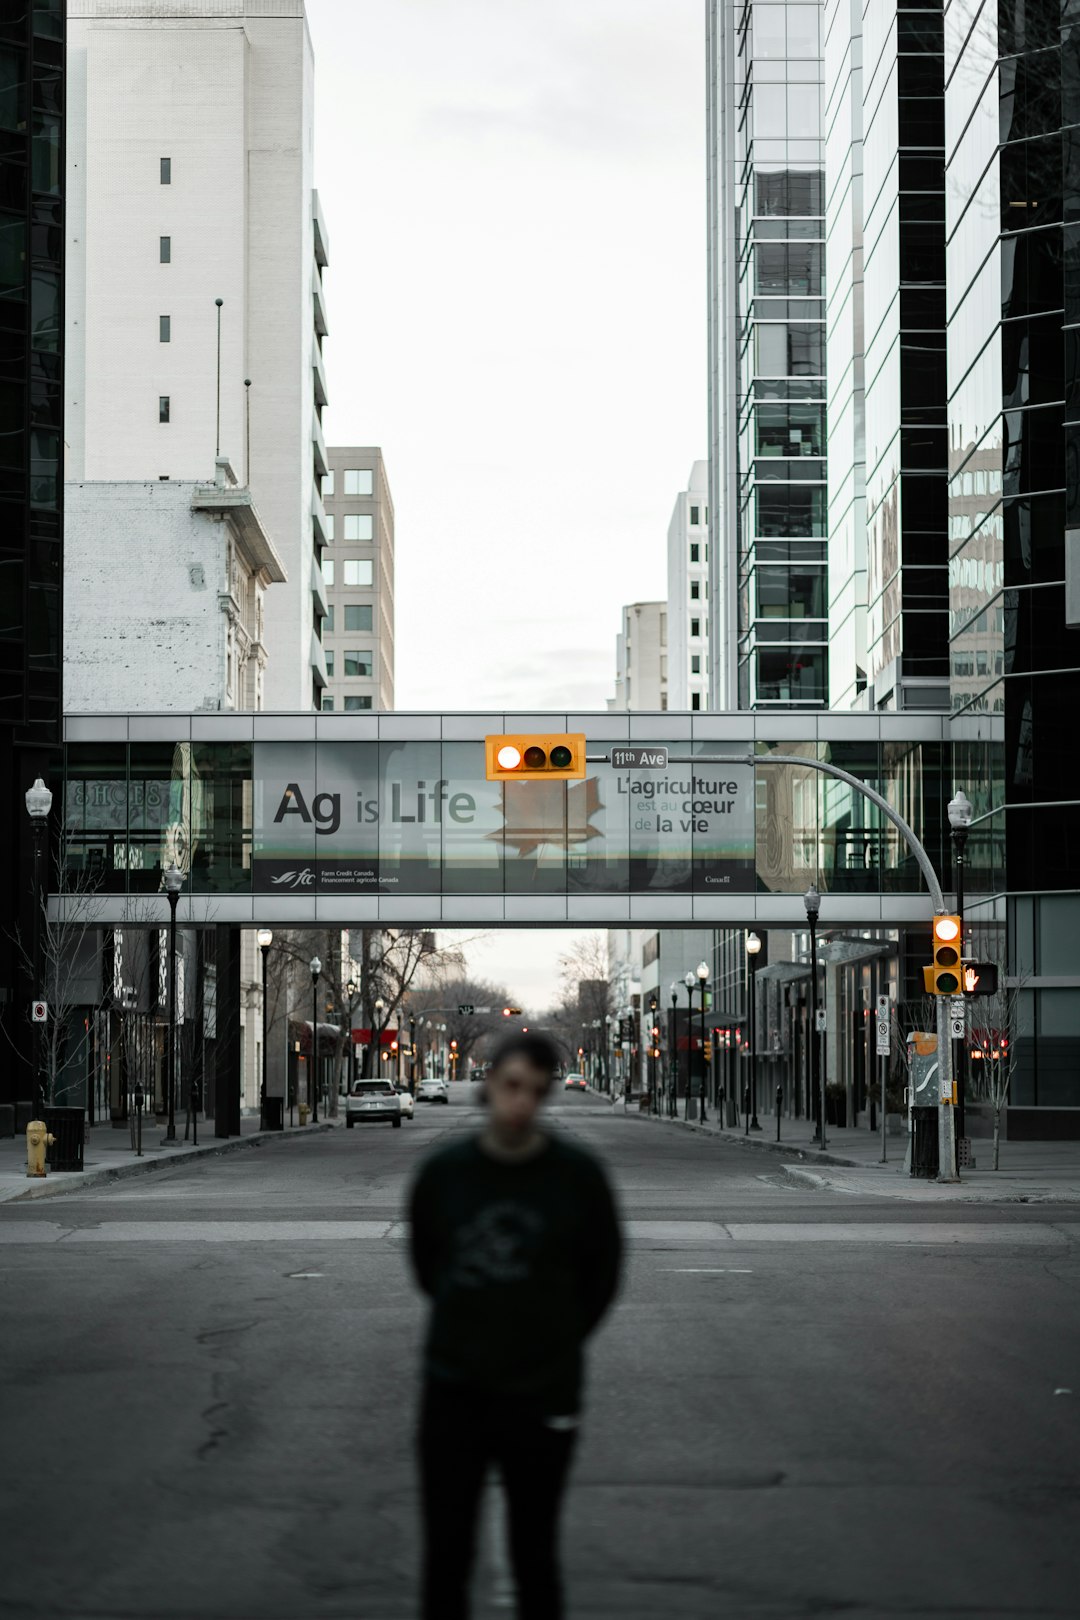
(521, 1260)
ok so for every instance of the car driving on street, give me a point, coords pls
(405, 1097)
(432, 1091)
(372, 1101)
(576, 1082)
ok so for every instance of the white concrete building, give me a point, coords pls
(358, 577)
(641, 658)
(195, 309)
(688, 586)
(164, 598)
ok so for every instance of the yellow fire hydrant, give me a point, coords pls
(38, 1138)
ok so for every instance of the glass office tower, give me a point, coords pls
(31, 440)
(767, 407)
(1012, 103)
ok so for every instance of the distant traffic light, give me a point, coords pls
(944, 979)
(556, 757)
(511, 1012)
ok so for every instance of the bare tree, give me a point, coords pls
(994, 1035)
(392, 963)
(70, 968)
(473, 1031)
(588, 998)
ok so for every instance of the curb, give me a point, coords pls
(76, 1181)
(951, 1191)
(754, 1143)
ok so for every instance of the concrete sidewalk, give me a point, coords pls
(1031, 1172)
(109, 1156)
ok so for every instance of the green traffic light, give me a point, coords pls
(561, 758)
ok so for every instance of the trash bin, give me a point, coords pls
(274, 1110)
(68, 1126)
(924, 1143)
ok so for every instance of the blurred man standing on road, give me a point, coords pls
(515, 1240)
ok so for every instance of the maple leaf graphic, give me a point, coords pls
(537, 813)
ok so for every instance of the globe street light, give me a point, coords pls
(265, 938)
(316, 968)
(673, 1102)
(38, 804)
(812, 902)
(350, 991)
(373, 1050)
(753, 946)
(654, 1037)
(174, 882)
(703, 979)
(690, 982)
(960, 813)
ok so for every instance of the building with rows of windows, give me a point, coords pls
(688, 590)
(358, 579)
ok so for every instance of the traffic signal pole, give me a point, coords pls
(946, 1131)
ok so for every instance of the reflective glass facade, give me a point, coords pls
(906, 396)
(31, 378)
(1012, 105)
(783, 521)
(272, 814)
(31, 447)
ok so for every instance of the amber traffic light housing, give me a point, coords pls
(554, 757)
(946, 972)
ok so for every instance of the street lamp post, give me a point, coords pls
(607, 1055)
(753, 946)
(316, 968)
(673, 1102)
(265, 938)
(690, 982)
(960, 818)
(812, 902)
(38, 804)
(350, 991)
(374, 1047)
(654, 1046)
(412, 1054)
(703, 979)
(174, 882)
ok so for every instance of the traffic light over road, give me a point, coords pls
(549, 757)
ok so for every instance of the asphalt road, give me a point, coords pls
(805, 1403)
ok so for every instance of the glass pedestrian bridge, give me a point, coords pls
(290, 819)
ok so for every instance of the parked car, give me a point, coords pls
(405, 1097)
(434, 1091)
(371, 1101)
(576, 1082)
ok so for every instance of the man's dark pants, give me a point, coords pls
(462, 1432)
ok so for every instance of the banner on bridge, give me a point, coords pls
(420, 817)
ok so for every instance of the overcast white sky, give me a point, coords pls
(515, 196)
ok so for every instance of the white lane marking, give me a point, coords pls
(196, 1232)
(685, 1231)
(496, 1544)
(914, 1232)
(689, 1234)
(294, 1276)
(709, 1271)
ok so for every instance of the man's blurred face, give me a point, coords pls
(515, 1091)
